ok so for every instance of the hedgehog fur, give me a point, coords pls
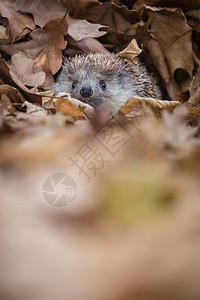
(105, 80)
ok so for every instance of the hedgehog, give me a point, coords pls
(105, 80)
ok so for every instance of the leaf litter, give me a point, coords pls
(132, 232)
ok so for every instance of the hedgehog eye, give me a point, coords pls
(102, 84)
(74, 84)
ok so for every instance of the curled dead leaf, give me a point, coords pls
(10, 79)
(5, 37)
(131, 51)
(17, 21)
(67, 108)
(10, 98)
(157, 106)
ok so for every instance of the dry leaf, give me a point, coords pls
(86, 45)
(45, 46)
(174, 35)
(77, 6)
(131, 51)
(145, 198)
(42, 11)
(67, 108)
(4, 35)
(47, 101)
(79, 29)
(22, 67)
(186, 4)
(103, 13)
(195, 90)
(17, 21)
(117, 18)
(158, 60)
(11, 99)
(157, 106)
(130, 15)
(194, 13)
(11, 79)
(83, 107)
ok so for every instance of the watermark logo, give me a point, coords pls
(112, 136)
(59, 189)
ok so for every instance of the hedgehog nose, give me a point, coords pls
(86, 91)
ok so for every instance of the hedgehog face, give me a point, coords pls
(92, 86)
(87, 88)
(102, 80)
(93, 79)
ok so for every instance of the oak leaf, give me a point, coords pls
(45, 46)
(42, 11)
(17, 21)
(79, 29)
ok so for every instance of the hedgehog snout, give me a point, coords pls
(86, 91)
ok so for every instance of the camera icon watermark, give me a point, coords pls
(59, 189)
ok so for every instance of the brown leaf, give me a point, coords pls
(22, 67)
(130, 15)
(79, 29)
(99, 13)
(158, 60)
(131, 51)
(83, 107)
(90, 44)
(195, 90)
(174, 35)
(10, 98)
(194, 100)
(45, 47)
(65, 107)
(5, 37)
(194, 111)
(17, 21)
(42, 11)
(47, 101)
(12, 80)
(81, 5)
(157, 106)
(103, 13)
(194, 13)
(117, 18)
(86, 45)
(185, 4)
